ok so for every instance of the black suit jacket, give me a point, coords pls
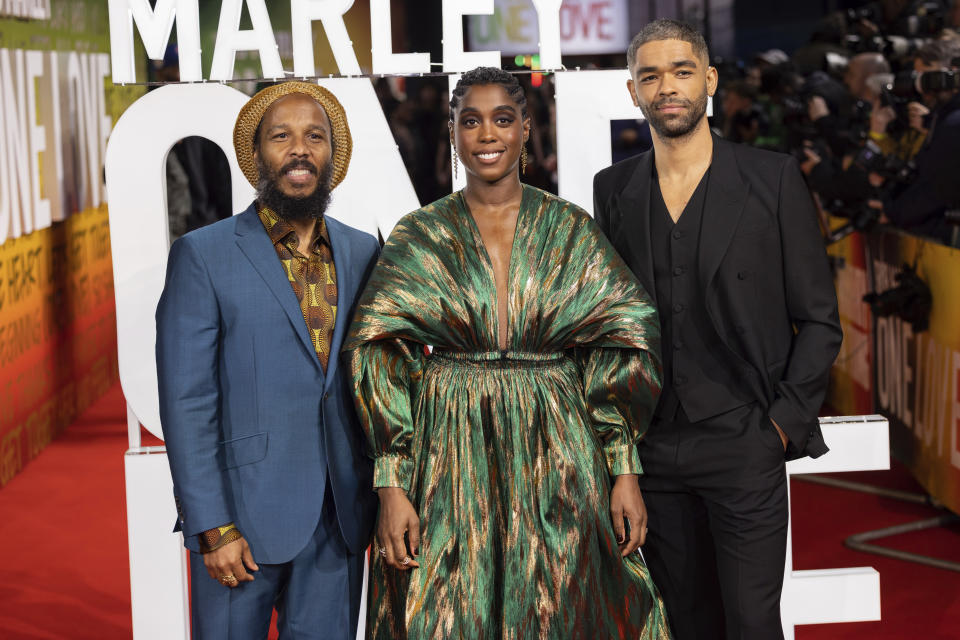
(763, 270)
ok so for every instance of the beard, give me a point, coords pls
(312, 205)
(675, 126)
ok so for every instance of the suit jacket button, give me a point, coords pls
(743, 275)
(678, 307)
(326, 395)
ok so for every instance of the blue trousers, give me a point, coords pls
(316, 595)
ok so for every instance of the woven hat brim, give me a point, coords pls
(252, 114)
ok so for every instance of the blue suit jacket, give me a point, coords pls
(253, 426)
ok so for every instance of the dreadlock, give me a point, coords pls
(486, 76)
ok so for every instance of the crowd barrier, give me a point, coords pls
(888, 366)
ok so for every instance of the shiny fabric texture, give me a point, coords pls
(507, 455)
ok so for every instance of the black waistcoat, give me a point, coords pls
(696, 367)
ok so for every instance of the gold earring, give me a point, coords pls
(523, 159)
(456, 163)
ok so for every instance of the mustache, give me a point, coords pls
(679, 102)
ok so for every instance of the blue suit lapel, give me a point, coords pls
(343, 262)
(255, 244)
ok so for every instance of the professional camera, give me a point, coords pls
(933, 81)
(843, 131)
(912, 84)
(910, 300)
(919, 19)
(853, 205)
(871, 159)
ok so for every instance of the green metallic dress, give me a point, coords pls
(507, 456)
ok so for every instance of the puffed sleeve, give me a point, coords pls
(621, 387)
(386, 376)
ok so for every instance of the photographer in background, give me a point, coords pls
(922, 204)
(743, 119)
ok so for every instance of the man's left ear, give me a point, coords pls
(713, 80)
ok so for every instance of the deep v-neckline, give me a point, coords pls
(485, 255)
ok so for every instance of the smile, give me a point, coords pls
(299, 175)
(488, 157)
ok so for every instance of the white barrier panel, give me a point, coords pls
(158, 560)
(819, 596)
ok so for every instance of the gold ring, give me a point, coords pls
(228, 579)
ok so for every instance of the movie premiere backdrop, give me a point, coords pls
(79, 283)
(58, 345)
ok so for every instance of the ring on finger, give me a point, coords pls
(383, 551)
(405, 561)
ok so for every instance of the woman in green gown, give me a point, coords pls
(505, 460)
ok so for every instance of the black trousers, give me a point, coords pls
(716, 497)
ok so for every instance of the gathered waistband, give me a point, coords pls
(529, 358)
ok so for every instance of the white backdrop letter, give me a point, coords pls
(154, 26)
(330, 13)
(230, 40)
(381, 48)
(454, 57)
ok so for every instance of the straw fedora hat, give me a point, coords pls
(252, 113)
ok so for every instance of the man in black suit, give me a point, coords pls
(726, 238)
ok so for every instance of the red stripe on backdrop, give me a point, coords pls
(65, 572)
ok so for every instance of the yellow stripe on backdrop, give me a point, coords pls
(913, 375)
(58, 338)
(58, 345)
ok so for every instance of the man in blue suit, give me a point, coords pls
(272, 483)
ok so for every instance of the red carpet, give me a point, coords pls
(64, 538)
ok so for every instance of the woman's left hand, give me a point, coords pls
(626, 505)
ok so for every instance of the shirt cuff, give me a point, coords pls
(392, 471)
(213, 539)
(622, 459)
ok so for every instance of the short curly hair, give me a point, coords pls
(665, 29)
(485, 76)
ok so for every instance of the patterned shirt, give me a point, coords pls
(313, 277)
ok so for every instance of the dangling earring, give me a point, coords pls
(456, 163)
(523, 159)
